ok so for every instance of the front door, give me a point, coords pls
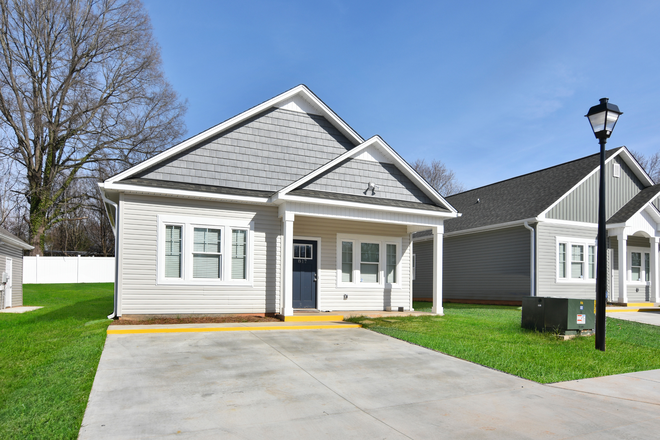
(8, 286)
(304, 274)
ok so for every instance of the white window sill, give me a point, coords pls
(575, 281)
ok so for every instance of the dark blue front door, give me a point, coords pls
(304, 274)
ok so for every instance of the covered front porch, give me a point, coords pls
(633, 256)
(352, 258)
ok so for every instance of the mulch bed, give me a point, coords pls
(198, 320)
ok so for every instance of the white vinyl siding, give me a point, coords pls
(142, 286)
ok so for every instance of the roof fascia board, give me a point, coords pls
(640, 172)
(15, 241)
(566, 194)
(182, 193)
(343, 204)
(492, 227)
(298, 90)
(557, 221)
(401, 164)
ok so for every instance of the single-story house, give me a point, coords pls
(536, 235)
(11, 269)
(281, 207)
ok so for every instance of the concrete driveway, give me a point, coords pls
(343, 384)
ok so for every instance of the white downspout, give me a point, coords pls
(532, 272)
(113, 315)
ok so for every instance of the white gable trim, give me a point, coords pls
(627, 158)
(384, 150)
(296, 97)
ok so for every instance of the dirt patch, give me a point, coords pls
(198, 320)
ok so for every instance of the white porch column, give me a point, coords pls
(287, 264)
(655, 292)
(437, 270)
(623, 267)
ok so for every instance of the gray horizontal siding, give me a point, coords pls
(423, 283)
(331, 297)
(582, 204)
(353, 177)
(547, 251)
(16, 255)
(492, 265)
(267, 152)
(140, 293)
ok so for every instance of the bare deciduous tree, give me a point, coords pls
(80, 84)
(438, 176)
(650, 164)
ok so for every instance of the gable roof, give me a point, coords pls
(8, 237)
(636, 204)
(299, 98)
(277, 148)
(524, 197)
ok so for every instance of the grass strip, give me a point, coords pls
(48, 359)
(492, 336)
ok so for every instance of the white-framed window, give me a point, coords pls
(368, 261)
(209, 251)
(576, 260)
(639, 264)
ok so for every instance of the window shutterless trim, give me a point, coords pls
(188, 225)
(569, 242)
(357, 241)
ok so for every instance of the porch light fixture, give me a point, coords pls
(602, 118)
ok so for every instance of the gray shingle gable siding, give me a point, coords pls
(520, 197)
(581, 205)
(265, 153)
(352, 177)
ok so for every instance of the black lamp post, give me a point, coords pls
(602, 118)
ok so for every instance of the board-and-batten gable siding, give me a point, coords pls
(581, 205)
(267, 152)
(547, 284)
(330, 296)
(140, 293)
(423, 283)
(636, 292)
(354, 175)
(16, 255)
(490, 265)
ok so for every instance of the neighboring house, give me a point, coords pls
(283, 206)
(11, 269)
(536, 234)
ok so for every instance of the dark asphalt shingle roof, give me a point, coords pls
(520, 197)
(635, 204)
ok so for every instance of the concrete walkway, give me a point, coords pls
(343, 384)
(652, 318)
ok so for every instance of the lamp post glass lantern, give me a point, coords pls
(603, 118)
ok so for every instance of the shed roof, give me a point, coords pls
(635, 205)
(6, 236)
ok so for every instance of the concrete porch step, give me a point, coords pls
(311, 317)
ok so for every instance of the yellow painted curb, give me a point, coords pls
(646, 304)
(630, 309)
(228, 329)
(314, 318)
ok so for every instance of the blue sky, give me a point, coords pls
(494, 89)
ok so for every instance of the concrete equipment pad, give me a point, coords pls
(348, 384)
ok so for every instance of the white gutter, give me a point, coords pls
(113, 315)
(532, 272)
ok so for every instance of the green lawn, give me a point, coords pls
(492, 336)
(48, 359)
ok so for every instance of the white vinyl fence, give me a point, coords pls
(42, 270)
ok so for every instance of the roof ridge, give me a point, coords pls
(535, 172)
